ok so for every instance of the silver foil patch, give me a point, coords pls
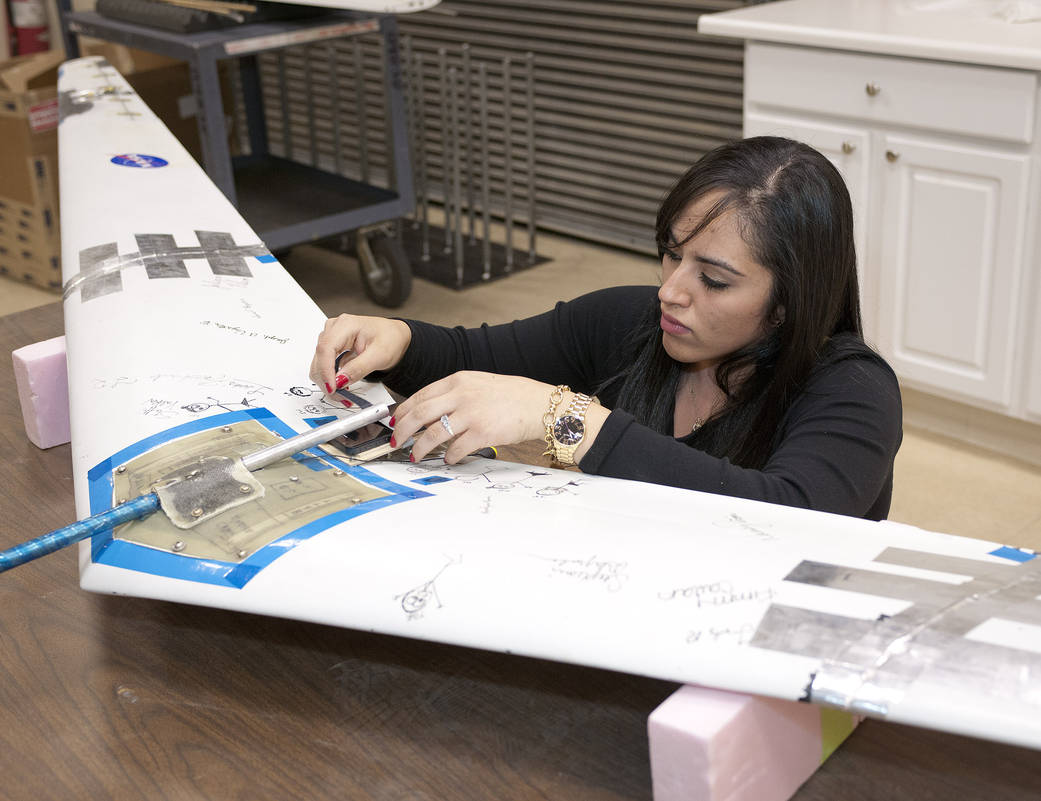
(867, 666)
(205, 489)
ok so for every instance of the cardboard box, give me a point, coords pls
(30, 244)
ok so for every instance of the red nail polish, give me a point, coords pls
(393, 444)
(341, 381)
(347, 403)
(392, 422)
(328, 389)
(412, 457)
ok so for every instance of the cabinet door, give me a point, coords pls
(1032, 379)
(848, 148)
(952, 238)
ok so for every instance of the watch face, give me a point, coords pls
(568, 430)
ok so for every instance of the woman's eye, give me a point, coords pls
(672, 255)
(712, 283)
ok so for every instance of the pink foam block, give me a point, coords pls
(712, 745)
(43, 391)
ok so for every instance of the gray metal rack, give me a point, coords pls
(286, 202)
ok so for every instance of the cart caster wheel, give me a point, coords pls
(386, 272)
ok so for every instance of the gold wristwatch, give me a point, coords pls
(569, 429)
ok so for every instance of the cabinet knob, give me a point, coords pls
(892, 155)
(872, 89)
(848, 147)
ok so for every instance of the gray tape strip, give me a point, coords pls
(95, 276)
(226, 257)
(154, 250)
(806, 632)
(868, 666)
(957, 565)
(873, 582)
(101, 265)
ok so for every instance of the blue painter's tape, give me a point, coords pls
(106, 549)
(266, 259)
(314, 422)
(430, 480)
(1015, 554)
(313, 460)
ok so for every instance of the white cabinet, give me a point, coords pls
(951, 264)
(941, 162)
(1033, 399)
(1032, 313)
(849, 149)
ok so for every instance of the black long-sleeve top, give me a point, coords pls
(833, 451)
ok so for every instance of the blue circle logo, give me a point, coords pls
(139, 160)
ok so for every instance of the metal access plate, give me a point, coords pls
(291, 494)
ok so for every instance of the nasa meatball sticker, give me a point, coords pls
(139, 160)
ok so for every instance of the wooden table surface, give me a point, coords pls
(120, 698)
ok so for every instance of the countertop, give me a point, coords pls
(965, 31)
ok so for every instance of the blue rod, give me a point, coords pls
(80, 530)
(146, 504)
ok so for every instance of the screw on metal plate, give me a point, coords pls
(121, 469)
(242, 554)
(178, 546)
(197, 512)
(337, 472)
(121, 501)
(226, 429)
(294, 478)
(245, 489)
(355, 500)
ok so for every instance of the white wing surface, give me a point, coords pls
(186, 338)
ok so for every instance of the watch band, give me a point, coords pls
(569, 429)
(551, 415)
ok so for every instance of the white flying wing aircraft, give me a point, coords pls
(187, 339)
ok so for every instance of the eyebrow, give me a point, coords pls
(707, 259)
(720, 264)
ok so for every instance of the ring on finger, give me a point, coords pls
(446, 425)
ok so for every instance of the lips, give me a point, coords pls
(672, 326)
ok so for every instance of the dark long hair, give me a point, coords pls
(796, 217)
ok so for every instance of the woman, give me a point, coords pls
(745, 373)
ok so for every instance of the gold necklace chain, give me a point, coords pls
(698, 421)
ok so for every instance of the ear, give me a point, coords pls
(777, 316)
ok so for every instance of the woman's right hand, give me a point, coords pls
(374, 343)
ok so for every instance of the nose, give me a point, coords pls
(672, 291)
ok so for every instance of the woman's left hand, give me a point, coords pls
(481, 409)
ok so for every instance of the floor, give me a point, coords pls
(941, 484)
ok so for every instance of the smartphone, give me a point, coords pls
(363, 439)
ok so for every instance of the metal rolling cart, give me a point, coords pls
(286, 202)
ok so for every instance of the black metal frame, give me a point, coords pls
(267, 179)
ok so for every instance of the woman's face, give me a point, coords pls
(714, 295)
